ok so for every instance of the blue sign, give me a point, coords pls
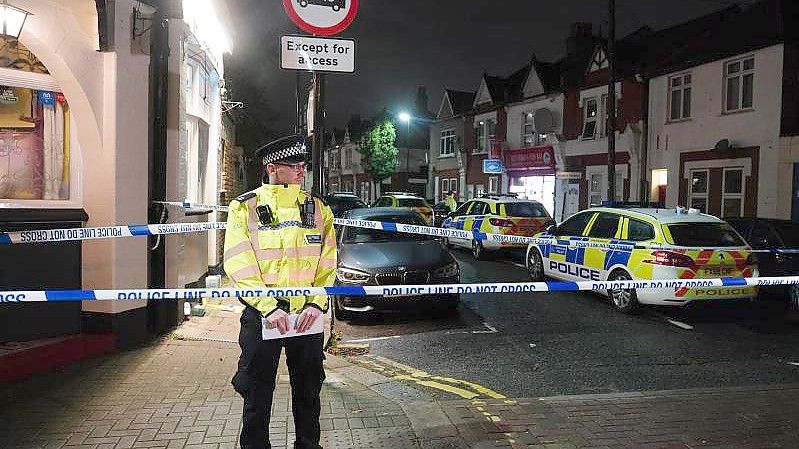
(492, 166)
(46, 98)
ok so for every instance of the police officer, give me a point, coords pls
(278, 235)
(450, 201)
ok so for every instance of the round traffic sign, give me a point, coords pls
(321, 17)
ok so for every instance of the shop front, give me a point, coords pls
(531, 174)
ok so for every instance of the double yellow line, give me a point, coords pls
(475, 393)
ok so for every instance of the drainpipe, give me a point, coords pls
(159, 72)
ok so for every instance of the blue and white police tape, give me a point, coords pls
(69, 234)
(382, 290)
(188, 205)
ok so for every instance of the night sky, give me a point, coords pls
(409, 43)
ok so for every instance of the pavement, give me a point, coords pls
(175, 392)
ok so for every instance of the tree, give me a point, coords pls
(378, 146)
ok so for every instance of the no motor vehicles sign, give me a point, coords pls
(321, 17)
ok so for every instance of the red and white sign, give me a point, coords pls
(321, 17)
(530, 158)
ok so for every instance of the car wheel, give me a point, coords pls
(624, 300)
(339, 314)
(535, 265)
(793, 296)
(477, 250)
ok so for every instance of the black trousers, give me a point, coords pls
(255, 381)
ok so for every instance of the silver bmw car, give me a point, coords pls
(377, 257)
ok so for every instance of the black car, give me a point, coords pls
(342, 202)
(376, 257)
(766, 233)
(440, 212)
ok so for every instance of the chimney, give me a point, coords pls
(421, 100)
(579, 38)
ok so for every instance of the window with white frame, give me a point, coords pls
(680, 97)
(493, 184)
(485, 131)
(590, 116)
(348, 158)
(697, 197)
(739, 81)
(528, 130)
(448, 140)
(732, 195)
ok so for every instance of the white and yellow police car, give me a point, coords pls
(497, 214)
(408, 200)
(657, 244)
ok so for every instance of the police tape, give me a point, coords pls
(104, 232)
(384, 290)
(188, 205)
(67, 234)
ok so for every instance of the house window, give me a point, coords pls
(739, 84)
(493, 184)
(590, 118)
(699, 188)
(528, 133)
(485, 131)
(680, 97)
(348, 158)
(448, 139)
(732, 198)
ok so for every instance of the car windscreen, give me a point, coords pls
(789, 233)
(411, 202)
(704, 235)
(347, 203)
(365, 235)
(531, 210)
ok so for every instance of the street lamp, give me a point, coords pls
(13, 19)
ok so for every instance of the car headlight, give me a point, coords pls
(447, 271)
(350, 275)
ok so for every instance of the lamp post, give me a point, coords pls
(13, 19)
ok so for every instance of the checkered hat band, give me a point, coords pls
(295, 150)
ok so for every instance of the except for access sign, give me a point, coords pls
(317, 54)
(321, 17)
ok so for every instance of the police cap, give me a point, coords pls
(290, 149)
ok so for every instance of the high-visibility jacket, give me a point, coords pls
(283, 252)
(449, 200)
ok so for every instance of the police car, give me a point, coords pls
(677, 244)
(404, 199)
(497, 214)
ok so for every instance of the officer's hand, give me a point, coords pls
(280, 320)
(308, 316)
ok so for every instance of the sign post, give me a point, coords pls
(320, 18)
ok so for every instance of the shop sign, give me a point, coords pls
(530, 158)
(46, 98)
(492, 166)
(569, 175)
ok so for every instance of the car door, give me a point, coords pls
(456, 221)
(597, 262)
(763, 236)
(560, 259)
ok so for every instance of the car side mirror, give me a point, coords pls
(761, 243)
(451, 215)
(552, 229)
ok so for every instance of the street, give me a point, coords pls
(568, 343)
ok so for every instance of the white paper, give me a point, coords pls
(268, 333)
